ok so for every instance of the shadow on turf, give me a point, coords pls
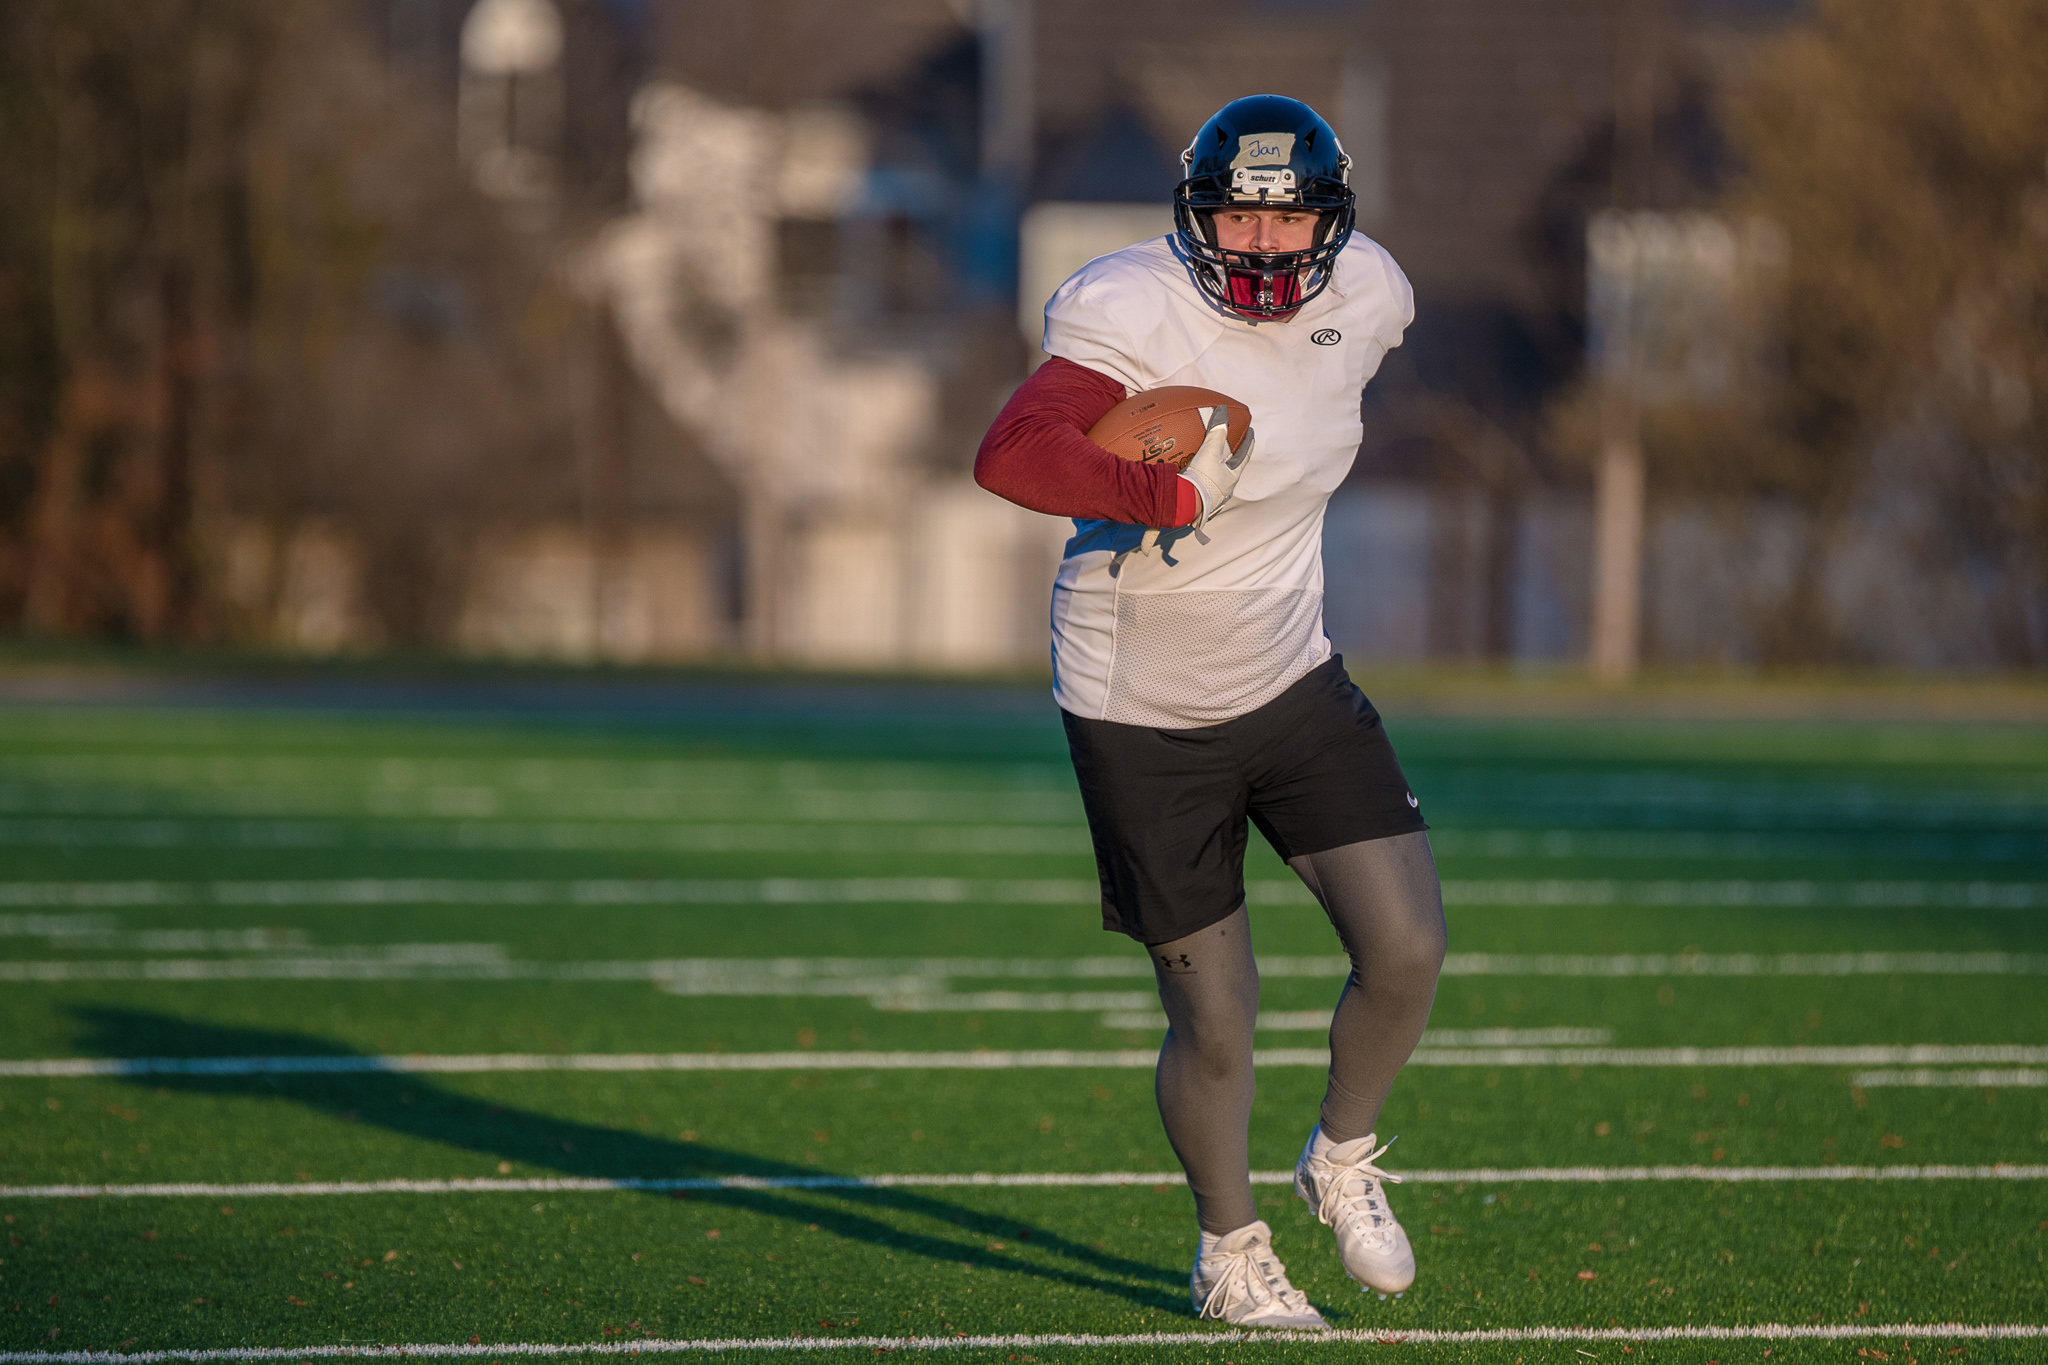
(415, 1107)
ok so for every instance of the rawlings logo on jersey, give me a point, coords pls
(1328, 336)
(1263, 149)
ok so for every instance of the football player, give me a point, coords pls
(1197, 686)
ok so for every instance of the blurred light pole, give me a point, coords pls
(509, 107)
(1009, 122)
(1618, 486)
(1613, 300)
(1008, 102)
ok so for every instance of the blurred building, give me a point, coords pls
(816, 237)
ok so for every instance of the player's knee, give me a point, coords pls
(1421, 956)
(1410, 961)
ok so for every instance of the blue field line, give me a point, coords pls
(959, 1341)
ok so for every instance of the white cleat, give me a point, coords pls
(1238, 1280)
(1341, 1183)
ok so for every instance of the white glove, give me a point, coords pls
(1216, 468)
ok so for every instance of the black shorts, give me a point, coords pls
(1312, 768)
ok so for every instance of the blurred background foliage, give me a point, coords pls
(244, 275)
(1901, 151)
(1903, 148)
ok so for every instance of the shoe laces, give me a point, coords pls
(1254, 1274)
(1366, 1209)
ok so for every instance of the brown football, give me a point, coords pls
(1164, 426)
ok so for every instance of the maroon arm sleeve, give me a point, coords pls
(1038, 455)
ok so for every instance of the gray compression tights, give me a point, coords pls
(1383, 898)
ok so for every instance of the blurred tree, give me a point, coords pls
(1903, 148)
(124, 261)
(246, 287)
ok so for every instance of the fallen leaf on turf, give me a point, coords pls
(712, 1233)
(475, 1340)
(294, 1301)
(1588, 1275)
(504, 1168)
(695, 1279)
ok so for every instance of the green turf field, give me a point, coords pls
(1745, 1023)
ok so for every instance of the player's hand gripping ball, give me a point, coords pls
(1205, 435)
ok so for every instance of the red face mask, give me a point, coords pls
(1246, 287)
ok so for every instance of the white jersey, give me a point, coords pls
(1197, 629)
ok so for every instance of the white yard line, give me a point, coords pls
(1989, 1080)
(1743, 964)
(1318, 1021)
(1485, 1175)
(1978, 895)
(686, 836)
(440, 830)
(992, 1060)
(1944, 1331)
(1735, 845)
(1741, 892)
(921, 977)
(454, 891)
(879, 977)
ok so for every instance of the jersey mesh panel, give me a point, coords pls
(1189, 659)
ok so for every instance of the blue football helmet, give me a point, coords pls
(1264, 151)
